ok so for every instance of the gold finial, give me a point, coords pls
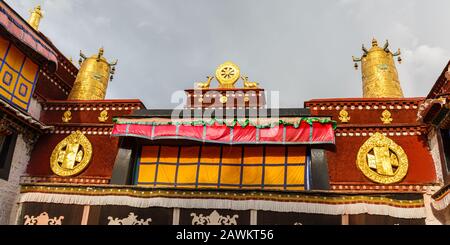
(101, 51)
(103, 116)
(67, 116)
(343, 116)
(374, 42)
(35, 18)
(386, 117)
(379, 74)
(92, 79)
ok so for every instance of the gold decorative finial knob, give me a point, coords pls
(35, 18)
(374, 42)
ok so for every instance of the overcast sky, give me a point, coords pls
(302, 49)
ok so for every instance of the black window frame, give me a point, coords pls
(6, 155)
(445, 136)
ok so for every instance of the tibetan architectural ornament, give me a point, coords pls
(379, 74)
(381, 160)
(72, 155)
(343, 116)
(67, 116)
(386, 117)
(227, 75)
(92, 79)
(103, 116)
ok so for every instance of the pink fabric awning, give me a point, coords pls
(306, 132)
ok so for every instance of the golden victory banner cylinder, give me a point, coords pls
(379, 74)
(92, 79)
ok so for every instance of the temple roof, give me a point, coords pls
(30, 40)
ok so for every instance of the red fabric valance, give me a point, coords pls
(305, 133)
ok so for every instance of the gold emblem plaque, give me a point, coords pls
(227, 74)
(72, 155)
(381, 160)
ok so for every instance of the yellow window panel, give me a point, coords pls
(149, 154)
(232, 155)
(146, 173)
(3, 47)
(19, 103)
(230, 175)
(296, 175)
(166, 173)
(189, 154)
(296, 154)
(275, 155)
(210, 154)
(274, 175)
(253, 155)
(8, 79)
(5, 94)
(29, 70)
(169, 154)
(187, 174)
(23, 90)
(15, 58)
(208, 174)
(252, 175)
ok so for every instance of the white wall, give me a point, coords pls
(435, 154)
(9, 190)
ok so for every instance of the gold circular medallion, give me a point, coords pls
(227, 74)
(381, 160)
(72, 155)
(223, 99)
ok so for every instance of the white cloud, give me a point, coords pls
(422, 66)
(102, 21)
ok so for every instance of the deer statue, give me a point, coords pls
(205, 84)
(248, 84)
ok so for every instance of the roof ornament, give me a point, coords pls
(92, 79)
(379, 74)
(35, 17)
(227, 74)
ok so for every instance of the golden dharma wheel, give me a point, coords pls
(72, 155)
(381, 160)
(227, 74)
